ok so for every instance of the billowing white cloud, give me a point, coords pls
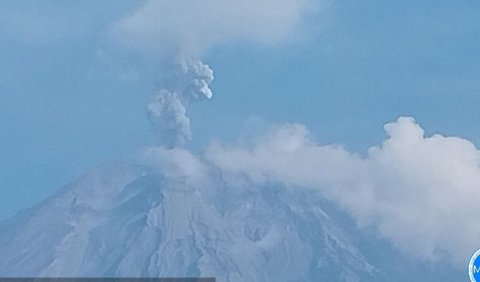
(175, 163)
(421, 193)
(192, 26)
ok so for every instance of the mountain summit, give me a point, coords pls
(159, 218)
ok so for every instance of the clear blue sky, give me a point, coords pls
(361, 64)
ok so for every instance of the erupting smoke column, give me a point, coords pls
(168, 106)
(186, 29)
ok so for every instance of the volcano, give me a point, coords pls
(145, 220)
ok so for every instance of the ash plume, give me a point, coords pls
(167, 109)
(185, 29)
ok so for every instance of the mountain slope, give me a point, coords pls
(140, 221)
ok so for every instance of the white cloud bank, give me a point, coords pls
(421, 193)
(191, 26)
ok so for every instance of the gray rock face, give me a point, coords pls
(133, 221)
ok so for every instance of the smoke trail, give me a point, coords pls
(162, 29)
(167, 109)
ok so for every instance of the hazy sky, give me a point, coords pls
(70, 100)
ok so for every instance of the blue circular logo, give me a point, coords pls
(474, 267)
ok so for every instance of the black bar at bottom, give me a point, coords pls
(107, 279)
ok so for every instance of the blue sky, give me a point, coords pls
(356, 66)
